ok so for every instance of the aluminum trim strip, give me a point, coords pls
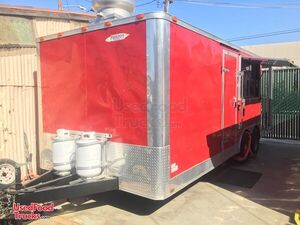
(98, 26)
(147, 16)
(222, 92)
(158, 83)
(182, 180)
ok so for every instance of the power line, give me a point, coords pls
(242, 5)
(230, 4)
(297, 30)
(68, 4)
(147, 3)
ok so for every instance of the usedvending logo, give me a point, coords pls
(117, 37)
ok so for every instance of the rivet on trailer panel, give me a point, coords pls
(108, 23)
(59, 34)
(84, 29)
(174, 19)
(140, 16)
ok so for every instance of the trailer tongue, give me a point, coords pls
(51, 187)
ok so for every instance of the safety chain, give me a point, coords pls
(6, 205)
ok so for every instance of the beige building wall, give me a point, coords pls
(289, 50)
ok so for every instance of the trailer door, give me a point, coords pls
(229, 93)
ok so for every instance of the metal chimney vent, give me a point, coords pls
(113, 9)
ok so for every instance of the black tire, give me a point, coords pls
(241, 156)
(255, 141)
(10, 173)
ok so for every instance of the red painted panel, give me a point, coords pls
(252, 110)
(63, 83)
(195, 82)
(117, 83)
(91, 84)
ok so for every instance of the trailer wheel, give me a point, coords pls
(245, 147)
(9, 173)
(255, 140)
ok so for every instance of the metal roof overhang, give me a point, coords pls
(275, 62)
(278, 63)
(26, 11)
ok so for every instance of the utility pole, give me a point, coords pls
(166, 8)
(60, 5)
(167, 4)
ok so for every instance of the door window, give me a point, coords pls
(251, 79)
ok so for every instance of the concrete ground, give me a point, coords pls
(274, 197)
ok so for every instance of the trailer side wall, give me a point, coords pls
(195, 96)
(205, 121)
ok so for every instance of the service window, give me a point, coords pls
(250, 79)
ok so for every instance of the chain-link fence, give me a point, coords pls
(280, 91)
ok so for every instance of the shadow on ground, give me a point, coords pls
(271, 179)
(277, 188)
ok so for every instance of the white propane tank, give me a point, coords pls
(88, 155)
(63, 152)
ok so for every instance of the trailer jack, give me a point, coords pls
(50, 187)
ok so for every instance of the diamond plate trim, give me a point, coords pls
(144, 170)
(141, 170)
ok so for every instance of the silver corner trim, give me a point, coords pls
(158, 82)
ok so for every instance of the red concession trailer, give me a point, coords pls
(177, 100)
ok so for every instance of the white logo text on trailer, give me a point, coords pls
(117, 37)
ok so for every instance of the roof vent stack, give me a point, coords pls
(113, 9)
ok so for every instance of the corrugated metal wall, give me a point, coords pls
(45, 26)
(18, 63)
(17, 102)
(284, 109)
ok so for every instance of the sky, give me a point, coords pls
(225, 22)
